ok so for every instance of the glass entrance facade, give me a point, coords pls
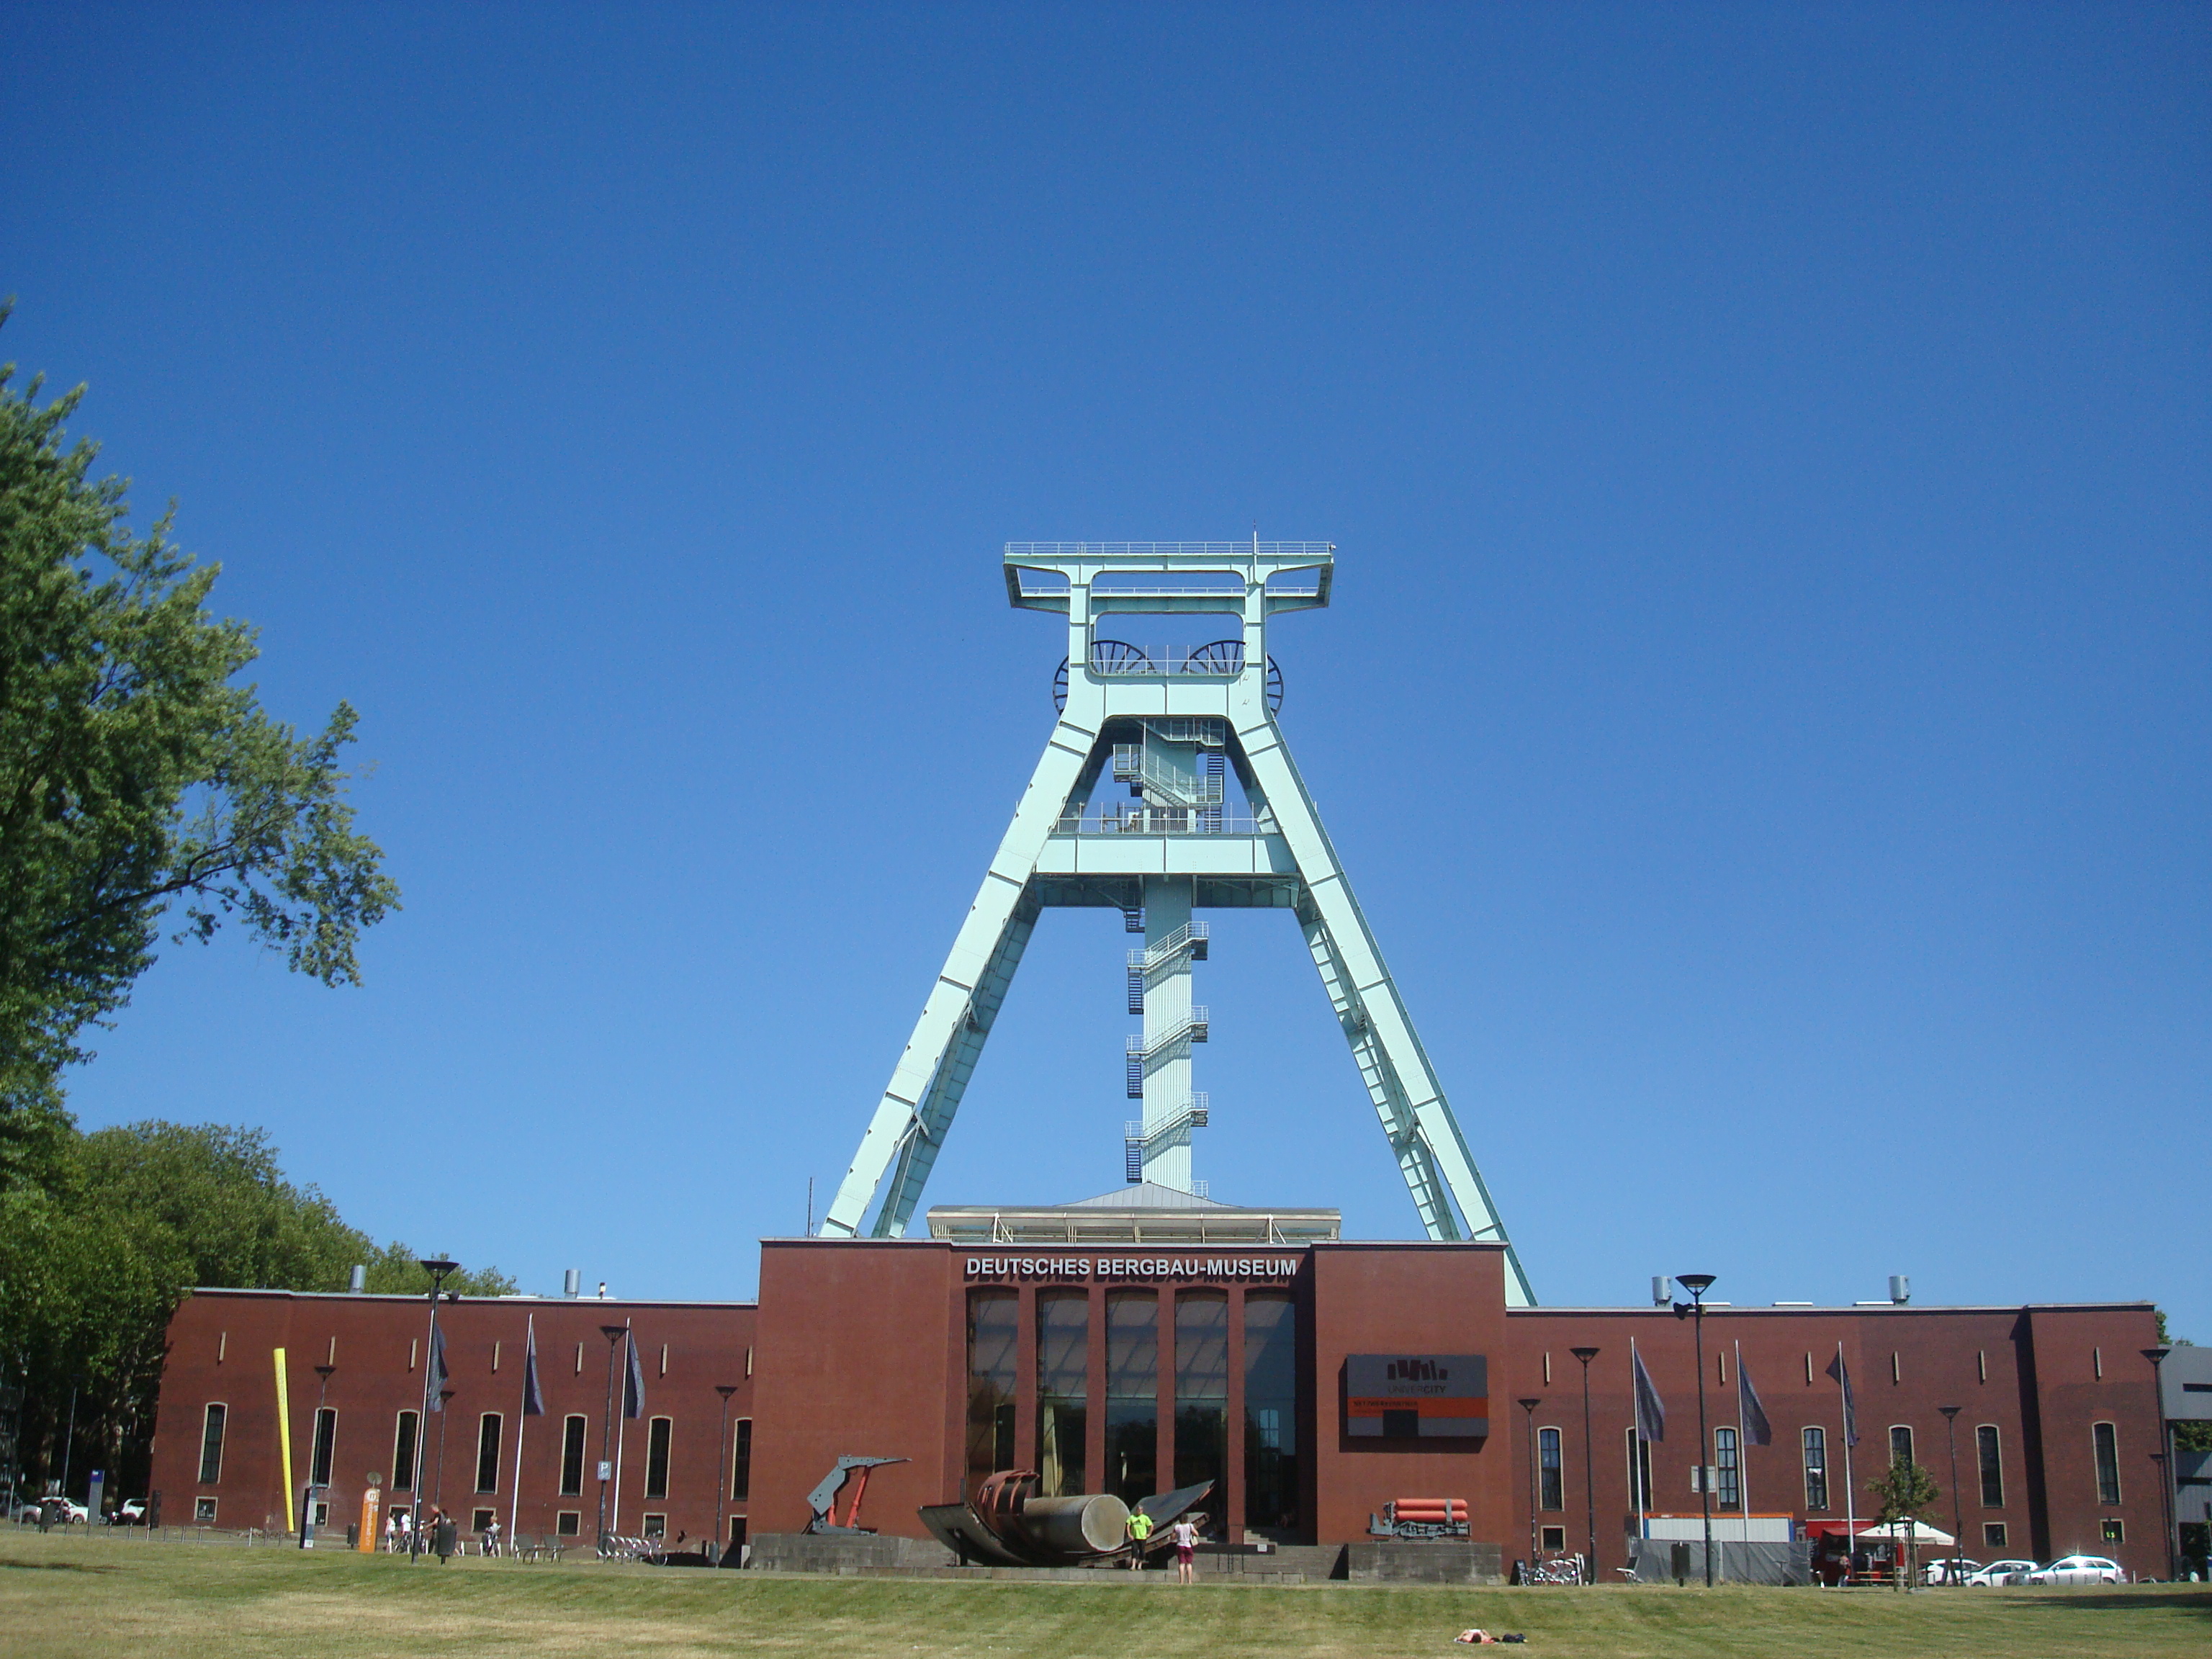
(1137, 1391)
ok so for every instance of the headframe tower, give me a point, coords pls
(1170, 725)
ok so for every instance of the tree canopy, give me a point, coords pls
(137, 773)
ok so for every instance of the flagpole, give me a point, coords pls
(1638, 1476)
(521, 1424)
(1850, 1512)
(630, 1342)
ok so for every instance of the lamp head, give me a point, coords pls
(726, 1390)
(2156, 1355)
(613, 1333)
(1696, 1284)
(1583, 1354)
(1530, 1404)
(438, 1267)
(1950, 1412)
(326, 1372)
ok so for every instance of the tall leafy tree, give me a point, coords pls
(137, 774)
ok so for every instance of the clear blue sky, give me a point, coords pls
(1764, 711)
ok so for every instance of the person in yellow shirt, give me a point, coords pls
(1140, 1528)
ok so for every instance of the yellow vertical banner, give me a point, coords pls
(284, 1441)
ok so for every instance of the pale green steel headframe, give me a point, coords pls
(1051, 854)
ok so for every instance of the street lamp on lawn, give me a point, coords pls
(1589, 1467)
(1697, 1285)
(1958, 1516)
(440, 1270)
(1528, 1428)
(722, 1476)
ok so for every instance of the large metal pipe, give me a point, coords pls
(1088, 1525)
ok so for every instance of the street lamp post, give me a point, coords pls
(614, 1335)
(2157, 1357)
(1589, 1464)
(439, 1269)
(722, 1476)
(1697, 1285)
(1528, 1427)
(1958, 1514)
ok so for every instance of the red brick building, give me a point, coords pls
(1139, 1351)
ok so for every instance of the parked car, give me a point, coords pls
(2001, 1572)
(2080, 1569)
(1947, 1570)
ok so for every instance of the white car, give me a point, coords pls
(1947, 1570)
(2001, 1572)
(2080, 1569)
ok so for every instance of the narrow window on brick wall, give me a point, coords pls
(572, 1457)
(212, 1444)
(656, 1457)
(2106, 1439)
(1816, 1468)
(403, 1452)
(1900, 1443)
(1550, 1477)
(1988, 1453)
(488, 1431)
(741, 1461)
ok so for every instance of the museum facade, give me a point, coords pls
(1131, 1347)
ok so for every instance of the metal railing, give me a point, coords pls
(1168, 550)
(1196, 1025)
(1165, 821)
(1193, 936)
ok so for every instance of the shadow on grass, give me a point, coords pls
(2196, 1602)
(59, 1566)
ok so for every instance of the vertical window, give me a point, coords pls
(1271, 1412)
(1816, 1468)
(1551, 1478)
(488, 1428)
(325, 1441)
(1727, 1472)
(211, 1444)
(1063, 1338)
(1900, 1443)
(1987, 1449)
(741, 1462)
(1639, 1470)
(572, 1457)
(403, 1440)
(1132, 1394)
(1201, 1388)
(656, 1457)
(993, 1319)
(2106, 1440)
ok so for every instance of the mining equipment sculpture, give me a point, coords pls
(823, 1500)
(1009, 1524)
(1173, 726)
(1420, 1517)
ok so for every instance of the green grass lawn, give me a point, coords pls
(121, 1596)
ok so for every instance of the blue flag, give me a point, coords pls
(1842, 1373)
(633, 1381)
(437, 1369)
(1748, 1411)
(533, 1402)
(1650, 1411)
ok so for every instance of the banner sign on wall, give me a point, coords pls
(1417, 1396)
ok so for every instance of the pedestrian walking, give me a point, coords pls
(491, 1537)
(1184, 1537)
(1140, 1528)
